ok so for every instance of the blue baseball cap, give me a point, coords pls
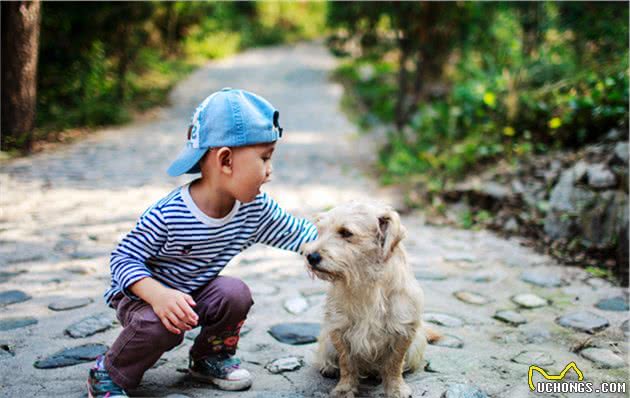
(231, 118)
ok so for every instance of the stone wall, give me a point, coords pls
(573, 204)
(589, 202)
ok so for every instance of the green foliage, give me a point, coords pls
(100, 61)
(155, 76)
(281, 21)
(466, 219)
(600, 272)
(421, 34)
(86, 98)
(375, 88)
(522, 78)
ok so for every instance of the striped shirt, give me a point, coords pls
(177, 244)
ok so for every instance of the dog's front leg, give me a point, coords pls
(348, 384)
(392, 371)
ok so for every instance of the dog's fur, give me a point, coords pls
(372, 321)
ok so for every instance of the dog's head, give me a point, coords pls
(355, 241)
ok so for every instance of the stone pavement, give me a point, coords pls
(501, 306)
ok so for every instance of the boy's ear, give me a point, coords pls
(225, 159)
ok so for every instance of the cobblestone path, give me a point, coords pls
(501, 306)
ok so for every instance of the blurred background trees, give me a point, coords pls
(464, 83)
(99, 62)
(529, 75)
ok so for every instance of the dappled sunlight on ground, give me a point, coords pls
(62, 213)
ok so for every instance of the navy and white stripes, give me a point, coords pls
(178, 245)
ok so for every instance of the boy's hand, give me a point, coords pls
(174, 308)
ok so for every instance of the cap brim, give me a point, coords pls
(186, 162)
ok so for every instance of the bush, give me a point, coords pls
(509, 92)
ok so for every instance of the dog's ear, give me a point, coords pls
(391, 232)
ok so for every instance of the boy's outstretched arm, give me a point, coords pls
(280, 229)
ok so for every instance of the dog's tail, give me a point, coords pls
(431, 334)
(415, 353)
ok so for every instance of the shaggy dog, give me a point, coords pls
(372, 321)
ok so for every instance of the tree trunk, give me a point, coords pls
(171, 28)
(400, 110)
(418, 78)
(20, 43)
(530, 22)
(125, 33)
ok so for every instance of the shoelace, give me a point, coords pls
(227, 363)
(231, 363)
(235, 366)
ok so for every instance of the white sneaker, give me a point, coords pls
(223, 371)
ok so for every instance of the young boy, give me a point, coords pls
(165, 272)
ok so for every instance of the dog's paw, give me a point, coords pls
(399, 391)
(344, 391)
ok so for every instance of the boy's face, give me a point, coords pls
(251, 169)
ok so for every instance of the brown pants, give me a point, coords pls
(221, 305)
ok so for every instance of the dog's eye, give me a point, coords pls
(344, 233)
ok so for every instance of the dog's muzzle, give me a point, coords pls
(314, 259)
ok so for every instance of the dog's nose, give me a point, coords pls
(314, 258)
